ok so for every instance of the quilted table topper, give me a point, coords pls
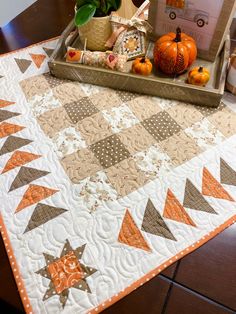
(101, 189)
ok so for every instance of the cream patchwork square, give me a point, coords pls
(153, 162)
(53, 121)
(205, 134)
(67, 142)
(68, 92)
(120, 118)
(225, 121)
(136, 138)
(80, 165)
(36, 85)
(180, 148)
(126, 177)
(42, 103)
(106, 99)
(185, 114)
(144, 107)
(94, 128)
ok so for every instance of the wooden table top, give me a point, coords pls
(203, 282)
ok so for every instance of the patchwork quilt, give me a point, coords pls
(102, 189)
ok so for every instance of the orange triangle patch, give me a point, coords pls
(18, 159)
(211, 187)
(33, 195)
(5, 103)
(38, 59)
(175, 211)
(131, 235)
(8, 129)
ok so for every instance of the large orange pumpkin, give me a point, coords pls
(174, 53)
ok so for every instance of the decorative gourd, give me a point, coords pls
(142, 66)
(199, 76)
(174, 53)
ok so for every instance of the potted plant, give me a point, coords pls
(93, 20)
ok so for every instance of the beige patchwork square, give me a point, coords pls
(54, 81)
(80, 165)
(53, 121)
(68, 92)
(127, 96)
(136, 139)
(94, 128)
(207, 111)
(161, 126)
(224, 121)
(110, 151)
(80, 109)
(185, 114)
(36, 85)
(126, 177)
(144, 107)
(180, 148)
(106, 99)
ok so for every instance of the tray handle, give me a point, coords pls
(66, 39)
(224, 65)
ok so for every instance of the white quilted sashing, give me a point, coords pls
(111, 264)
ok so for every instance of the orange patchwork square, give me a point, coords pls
(65, 272)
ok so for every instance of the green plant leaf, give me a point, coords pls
(80, 3)
(84, 14)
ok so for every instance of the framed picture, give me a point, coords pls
(207, 21)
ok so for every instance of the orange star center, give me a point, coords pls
(65, 272)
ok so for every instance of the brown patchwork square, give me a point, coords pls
(94, 128)
(54, 121)
(68, 92)
(185, 115)
(36, 85)
(110, 151)
(136, 138)
(127, 96)
(80, 165)
(180, 148)
(161, 126)
(144, 107)
(53, 81)
(126, 177)
(224, 121)
(106, 99)
(80, 109)
(207, 111)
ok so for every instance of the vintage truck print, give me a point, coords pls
(185, 9)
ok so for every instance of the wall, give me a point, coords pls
(11, 8)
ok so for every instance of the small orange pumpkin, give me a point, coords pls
(199, 76)
(142, 66)
(174, 53)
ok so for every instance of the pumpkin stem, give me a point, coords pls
(200, 70)
(178, 35)
(143, 60)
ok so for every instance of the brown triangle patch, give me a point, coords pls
(48, 51)
(131, 235)
(33, 195)
(154, 224)
(5, 114)
(5, 103)
(7, 129)
(18, 159)
(175, 211)
(12, 143)
(23, 64)
(38, 59)
(194, 199)
(42, 214)
(211, 187)
(227, 174)
(25, 176)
